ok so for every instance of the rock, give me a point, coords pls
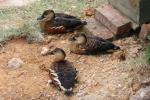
(15, 63)
(98, 29)
(145, 31)
(142, 94)
(80, 94)
(113, 20)
(101, 60)
(44, 51)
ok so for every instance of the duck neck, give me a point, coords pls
(42, 25)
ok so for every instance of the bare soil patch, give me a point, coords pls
(100, 77)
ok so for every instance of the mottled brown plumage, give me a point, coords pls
(62, 72)
(52, 22)
(82, 44)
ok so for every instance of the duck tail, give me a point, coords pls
(68, 93)
(84, 23)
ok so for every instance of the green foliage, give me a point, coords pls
(148, 54)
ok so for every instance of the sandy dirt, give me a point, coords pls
(101, 77)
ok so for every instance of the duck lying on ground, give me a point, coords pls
(62, 72)
(51, 22)
(62, 15)
(82, 44)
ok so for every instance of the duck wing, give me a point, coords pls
(96, 45)
(66, 16)
(54, 29)
(64, 74)
(68, 23)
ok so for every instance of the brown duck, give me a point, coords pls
(51, 22)
(83, 44)
(62, 72)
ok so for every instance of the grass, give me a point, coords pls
(18, 20)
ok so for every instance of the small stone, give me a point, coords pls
(119, 85)
(49, 81)
(15, 63)
(113, 20)
(97, 29)
(142, 94)
(101, 60)
(64, 42)
(80, 94)
(44, 51)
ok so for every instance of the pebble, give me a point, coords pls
(44, 51)
(15, 63)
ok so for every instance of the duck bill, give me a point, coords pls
(39, 18)
(51, 53)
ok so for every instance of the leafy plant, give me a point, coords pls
(148, 54)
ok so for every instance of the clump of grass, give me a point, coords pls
(26, 15)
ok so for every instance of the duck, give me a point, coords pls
(62, 72)
(90, 44)
(52, 23)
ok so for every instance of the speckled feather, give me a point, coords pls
(53, 29)
(66, 16)
(95, 45)
(66, 74)
(67, 23)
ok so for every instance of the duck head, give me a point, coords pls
(78, 39)
(59, 54)
(47, 15)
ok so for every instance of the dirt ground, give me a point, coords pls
(101, 77)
